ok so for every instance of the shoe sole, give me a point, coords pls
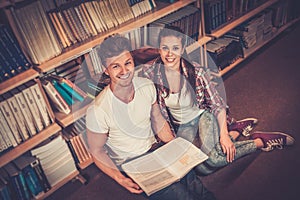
(288, 137)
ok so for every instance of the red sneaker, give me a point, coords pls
(243, 126)
(273, 140)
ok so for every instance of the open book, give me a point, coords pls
(164, 166)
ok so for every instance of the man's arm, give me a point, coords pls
(159, 124)
(96, 144)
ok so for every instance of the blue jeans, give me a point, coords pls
(203, 131)
(188, 188)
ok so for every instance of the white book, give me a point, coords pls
(53, 144)
(26, 112)
(57, 100)
(32, 106)
(40, 101)
(7, 135)
(12, 101)
(11, 121)
(164, 166)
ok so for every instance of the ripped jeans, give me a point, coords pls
(203, 131)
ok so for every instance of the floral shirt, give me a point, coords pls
(207, 96)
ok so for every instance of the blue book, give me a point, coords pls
(71, 91)
(24, 163)
(63, 93)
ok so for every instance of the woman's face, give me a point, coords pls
(171, 50)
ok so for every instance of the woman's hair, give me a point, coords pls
(177, 32)
(112, 46)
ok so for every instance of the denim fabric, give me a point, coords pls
(208, 141)
(188, 188)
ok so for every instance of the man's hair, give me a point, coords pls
(112, 46)
(169, 30)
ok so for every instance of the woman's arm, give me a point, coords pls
(225, 141)
(96, 142)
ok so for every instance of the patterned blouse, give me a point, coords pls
(207, 96)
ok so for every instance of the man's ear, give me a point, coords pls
(105, 71)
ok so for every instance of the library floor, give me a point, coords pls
(266, 86)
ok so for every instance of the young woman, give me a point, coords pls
(195, 110)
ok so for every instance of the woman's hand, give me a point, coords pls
(129, 184)
(227, 147)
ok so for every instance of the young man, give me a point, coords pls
(123, 120)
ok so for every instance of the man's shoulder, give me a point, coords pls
(101, 97)
(141, 81)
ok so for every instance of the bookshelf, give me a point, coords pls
(69, 54)
(80, 49)
(18, 80)
(251, 51)
(161, 11)
(29, 144)
(232, 24)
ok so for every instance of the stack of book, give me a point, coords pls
(39, 38)
(74, 135)
(56, 159)
(24, 111)
(12, 60)
(63, 93)
(224, 51)
(77, 21)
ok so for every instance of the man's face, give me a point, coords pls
(170, 51)
(120, 69)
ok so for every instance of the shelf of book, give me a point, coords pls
(232, 24)
(256, 47)
(77, 112)
(29, 144)
(18, 80)
(60, 184)
(160, 11)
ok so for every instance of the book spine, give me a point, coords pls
(41, 175)
(7, 135)
(33, 108)
(26, 113)
(56, 98)
(19, 117)
(71, 91)
(75, 88)
(32, 181)
(11, 121)
(63, 93)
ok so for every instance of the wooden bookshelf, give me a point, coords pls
(29, 144)
(257, 46)
(157, 13)
(78, 111)
(234, 23)
(18, 80)
(198, 44)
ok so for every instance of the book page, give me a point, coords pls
(180, 157)
(164, 166)
(149, 173)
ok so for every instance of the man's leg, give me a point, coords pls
(189, 187)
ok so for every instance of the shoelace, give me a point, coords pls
(246, 131)
(278, 143)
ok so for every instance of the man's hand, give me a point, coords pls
(129, 184)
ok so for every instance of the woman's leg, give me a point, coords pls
(217, 158)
